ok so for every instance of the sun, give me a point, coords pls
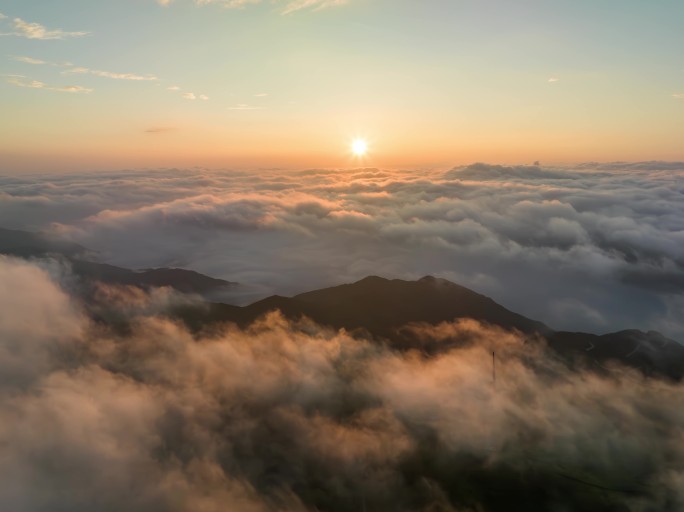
(359, 147)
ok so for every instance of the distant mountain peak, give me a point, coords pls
(371, 279)
(26, 244)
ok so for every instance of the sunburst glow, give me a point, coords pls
(359, 147)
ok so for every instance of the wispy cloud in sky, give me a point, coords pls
(86, 71)
(20, 81)
(29, 60)
(316, 5)
(244, 106)
(290, 6)
(160, 129)
(38, 31)
(230, 4)
(189, 95)
(109, 74)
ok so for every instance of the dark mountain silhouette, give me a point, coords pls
(650, 352)
(25, 244)
(185, 281)
(381, 308)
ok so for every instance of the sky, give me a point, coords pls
(290, 83)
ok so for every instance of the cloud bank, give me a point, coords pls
(294, 417)
(597, 247)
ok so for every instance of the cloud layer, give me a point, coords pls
(596, 248)
(294, 417)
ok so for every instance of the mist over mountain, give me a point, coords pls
(79, 261)
(400, 313)
(383, 309)
(115, 402)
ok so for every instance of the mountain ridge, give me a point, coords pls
(379, 308)
(26, 244)
(373, 307)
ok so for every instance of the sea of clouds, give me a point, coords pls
(596, 247)
(294, 417)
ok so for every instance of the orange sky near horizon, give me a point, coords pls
(432, 85)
